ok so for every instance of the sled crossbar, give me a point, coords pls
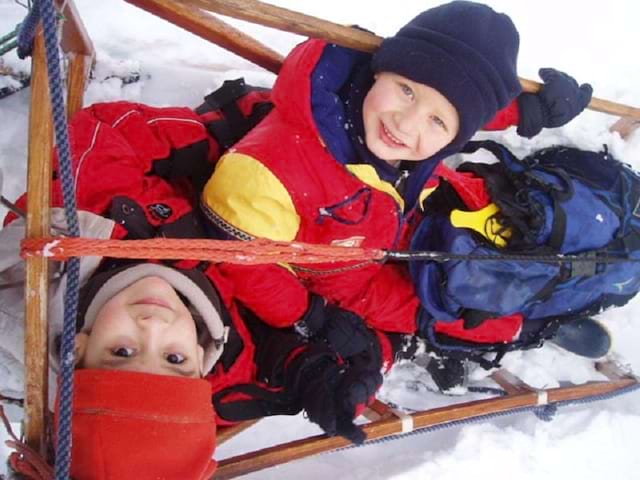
(519, 396)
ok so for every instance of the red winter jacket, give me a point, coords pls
(281, 182)
(124, 156)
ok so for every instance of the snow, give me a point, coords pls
(594, 41)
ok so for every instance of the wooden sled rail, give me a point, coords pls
(76, 44)
(519, 395)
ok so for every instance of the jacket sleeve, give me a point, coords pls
(169, 141)
(389, 302)
(272, 292)
(244, 200)
(117, 148)
(505, 118)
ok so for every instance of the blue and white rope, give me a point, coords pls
(45, 10)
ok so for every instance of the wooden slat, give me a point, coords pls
(625, 126)
(76, 42)
(277, 455)
(38, 224)
(79, 67)
(291, 21)
(194, 20)
(377, 411)
(612, 371)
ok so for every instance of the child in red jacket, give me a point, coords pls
(156, 342)
(345, 157)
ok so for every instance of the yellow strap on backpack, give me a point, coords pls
(484, 222)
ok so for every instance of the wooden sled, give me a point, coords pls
(192, 15)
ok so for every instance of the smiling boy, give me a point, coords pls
(345, 156)
(346, 152)
(405, 120)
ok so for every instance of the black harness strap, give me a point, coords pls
(263, 403)
(234, 125)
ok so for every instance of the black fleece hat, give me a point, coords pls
(466, 51)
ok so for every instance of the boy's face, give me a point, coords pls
(144, 328)
(406, 120)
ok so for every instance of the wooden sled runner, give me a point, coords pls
(387, 422)
(192, 15)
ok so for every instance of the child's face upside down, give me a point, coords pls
(145, 327)
(406, 120)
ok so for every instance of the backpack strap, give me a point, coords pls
(233, 125)
(261, 402)
(513, 165)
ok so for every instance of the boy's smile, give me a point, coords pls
(406, 120)
(145, 327)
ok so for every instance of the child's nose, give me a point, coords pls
(407, 120)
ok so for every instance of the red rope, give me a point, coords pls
(249, 253)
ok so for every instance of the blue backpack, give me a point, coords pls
(557, 201)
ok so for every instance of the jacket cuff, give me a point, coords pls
(314, 318)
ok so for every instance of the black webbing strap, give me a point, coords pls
(263, 403)
(229, 92)
(234, 125)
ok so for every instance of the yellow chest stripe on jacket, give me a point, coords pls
(245, 194)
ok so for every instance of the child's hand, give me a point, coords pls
(345, 332)
(560, 100)
(360, 381)
(333, 393)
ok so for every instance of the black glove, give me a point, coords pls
(344, 331)
(560, 100)
(330, 392)
(357, 388)
(311, 380)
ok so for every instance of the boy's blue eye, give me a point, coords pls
(124, 352)
(406, 89)
(175, 358)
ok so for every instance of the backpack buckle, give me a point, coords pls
(586, 267)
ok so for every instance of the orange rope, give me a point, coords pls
(253, 252)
